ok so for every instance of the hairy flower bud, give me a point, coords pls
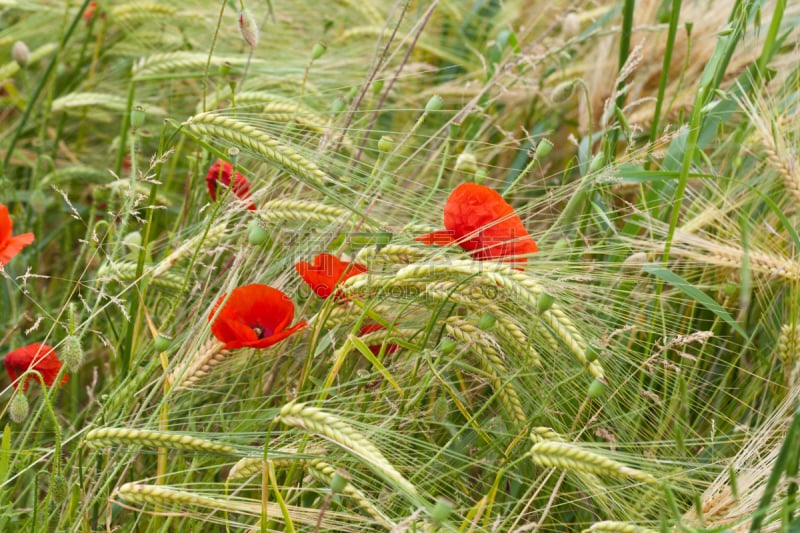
(18, 410)
(20, 53)
(59, 489)
(249, 27)
(72, 353)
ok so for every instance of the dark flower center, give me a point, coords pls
(262, 331)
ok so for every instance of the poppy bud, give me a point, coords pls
(377, 86)
(596, 388)
(59, 489)
(486, 322)
(256, 234)
(544, 302)
(441, 510)
(162, 342)
(571, 25)
(38, 201)
(133, 240)
(225, 69)
(440, 409)
(137, 117)
(597, 162)
(319, 50)
(562, 91)
(72, 353)
(466, 162)
(385, 144)
(447, 346)
(435, 103)
(339, 481)
(20, 53)
(543, 149)
(338, 105)
(18, 410)
(248, 27)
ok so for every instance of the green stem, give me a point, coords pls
(662, 84)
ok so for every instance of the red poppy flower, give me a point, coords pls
(376, 348)
(326, 272)
(39, 357)
(479, 220)
(88, 13)
(220, 174)
(254, 316)
(10, 246)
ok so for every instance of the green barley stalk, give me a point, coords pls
(105, 437)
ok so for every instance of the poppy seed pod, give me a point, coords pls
(319, 50)
(486, 321)
(248, 27)
(162, 342)
(441, 511)
(137, 117)
(435, 103)
(596, 388)
(18, 409)
(385, 144)
(447, 346)
(256, 234)
(543, 149)
(20, 53)
(339, 481)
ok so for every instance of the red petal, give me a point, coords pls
(5, 225)
(250, 308)
(442, 237)
(13, 246)
(39, 357)
(326, 272)
(484, 223)
(220, 173)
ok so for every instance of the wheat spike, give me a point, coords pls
(103, 437)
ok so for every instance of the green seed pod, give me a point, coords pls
(256, 234)
(435, 103)
(38, 201)
(561, 245)
(447, 346)
(597, 162)
(486, 322)
(466, 162)
(441, 511)
(339, 481)
(543, 149)
(233, 156)
(440, 409)
(137, 117)
(596, 388)
(352, 93)
(59, 489)
(338, 105)
(225, 69)
(72, 353)
(18, 410)
(385, 144)
(480, 175)
(730, 289)
(377, 86)
(162, 342)
(20, 53)
(248, 27)
(592, 353)
(319, 50)
(544, 302)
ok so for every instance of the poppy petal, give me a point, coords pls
(326, 272)
(442, 237)
(36, 356)
(13, 246)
